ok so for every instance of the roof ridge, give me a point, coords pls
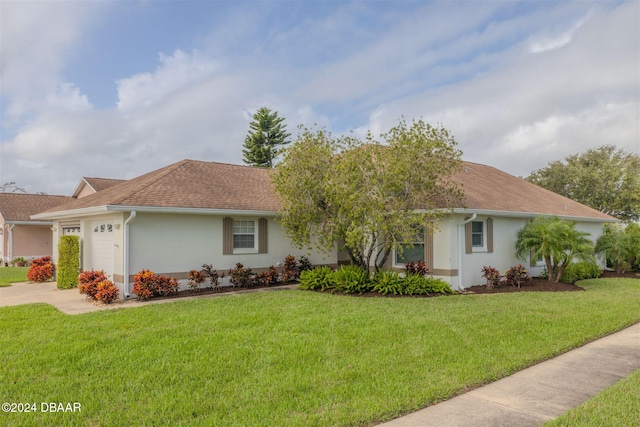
(151, 177)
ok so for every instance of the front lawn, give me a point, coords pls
(289, 357)
(10, 275)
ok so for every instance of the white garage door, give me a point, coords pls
(102, 247)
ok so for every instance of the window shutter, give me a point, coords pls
(490, 235)
(428, 249)
(227, 236)
(263, 243)
(467, 238)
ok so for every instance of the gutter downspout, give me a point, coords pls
(460, 248)
(11, 227)
(125, 285)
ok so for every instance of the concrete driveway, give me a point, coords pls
(70, 301)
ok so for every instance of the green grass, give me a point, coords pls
(290, 358)
(10, 275)
(617, 406)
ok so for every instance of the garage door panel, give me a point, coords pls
(102, 247)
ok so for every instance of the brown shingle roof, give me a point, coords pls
(487, 188)
(100, 184)
(209, 185)
(189, 184)
(19, 206)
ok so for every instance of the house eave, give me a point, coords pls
(191, 211)
(97, 210)
(29, 222)
(530, 215)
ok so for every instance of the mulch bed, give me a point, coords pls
(540, 285)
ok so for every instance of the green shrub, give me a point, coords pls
(352, 279)
(320, 278)
(386, 282)
(20, 262)
(580, 271)
(422, 285)
(68, 262)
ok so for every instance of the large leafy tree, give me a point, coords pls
(555, 240)
(363, 195)
(604, 178)
(267, 135)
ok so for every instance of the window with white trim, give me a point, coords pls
(244, 236)
(411, 253)
(477, 234)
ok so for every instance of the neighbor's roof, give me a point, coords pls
(218, 186)
(489, 189)
(18, 207)
(100, 184)
(189, 184)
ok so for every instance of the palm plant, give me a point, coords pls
(619, 246)
(555, 240)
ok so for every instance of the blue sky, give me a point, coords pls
(116, 89)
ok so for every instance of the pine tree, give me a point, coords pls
(266, 134)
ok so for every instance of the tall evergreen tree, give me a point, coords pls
(266, 135)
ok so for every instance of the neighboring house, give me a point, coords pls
(88, 186)
(190, 213)
(483, 229)
(176, 219)
(20, 235)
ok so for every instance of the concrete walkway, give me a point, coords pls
(527, 398)
(70, 301)
(540, 393)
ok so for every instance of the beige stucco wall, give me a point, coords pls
(29, 241)
(447, 249)
(175, 244)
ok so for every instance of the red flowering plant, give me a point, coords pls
(107, 292)
(147, 284)
(88, 282)
(41, 270)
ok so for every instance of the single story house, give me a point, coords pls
(190, 213)
(483, 229)
(21, 236)
(178, 218)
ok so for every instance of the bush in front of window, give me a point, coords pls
(241, 276)
(580, 271)
(416, 268)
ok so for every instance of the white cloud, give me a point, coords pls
(174, 72)
(473, 69)
(37, 38)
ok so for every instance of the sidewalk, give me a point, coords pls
(540, 393)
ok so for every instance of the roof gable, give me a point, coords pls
(88, 186)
